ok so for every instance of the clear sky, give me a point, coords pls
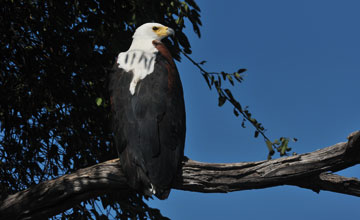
(303, 61)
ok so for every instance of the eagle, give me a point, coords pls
(148, 112)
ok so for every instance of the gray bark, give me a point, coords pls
(309, 170)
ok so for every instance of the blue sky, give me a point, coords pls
(303, 61)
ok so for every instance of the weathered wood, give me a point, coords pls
(51, 197)
(207, 177)
(331, 182)
(304, 170)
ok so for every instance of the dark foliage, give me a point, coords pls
(54, 111)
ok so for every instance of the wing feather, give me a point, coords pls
(149, 126)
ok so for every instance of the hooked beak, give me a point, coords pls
(170, 31)
(164, 31)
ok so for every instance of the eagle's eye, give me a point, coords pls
(155, 28)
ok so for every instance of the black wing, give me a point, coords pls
(149, 126)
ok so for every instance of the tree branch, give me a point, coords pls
(307, 170)
(331, 182)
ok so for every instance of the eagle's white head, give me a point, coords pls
(145, 35)
(153, 31)
(141, 56)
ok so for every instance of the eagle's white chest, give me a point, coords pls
(140, 59)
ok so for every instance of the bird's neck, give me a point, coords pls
(144, 44)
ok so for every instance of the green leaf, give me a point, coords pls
(243, 124)
(219, 81)
(238, 77)
(230, 79)
(179, 21)
(98, 101)
(222, 100)
(284, 146)
(256, 134)
(237, 105)
(277, 142)
(269, 145)
(228, 92)
(241, 70)
(212, 78)
(186, 7)
(206, 77)
(236, 113)
(283, 150)
(252, 120)
(270, 148)
(133, 17)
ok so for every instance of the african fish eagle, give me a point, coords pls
(148, 112)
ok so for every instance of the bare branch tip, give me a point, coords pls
(353, 134)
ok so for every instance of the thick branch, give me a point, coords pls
(331, 182)
(304, 170)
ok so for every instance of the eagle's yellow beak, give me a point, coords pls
(163, 31)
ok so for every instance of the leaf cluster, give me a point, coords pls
(216, 80)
